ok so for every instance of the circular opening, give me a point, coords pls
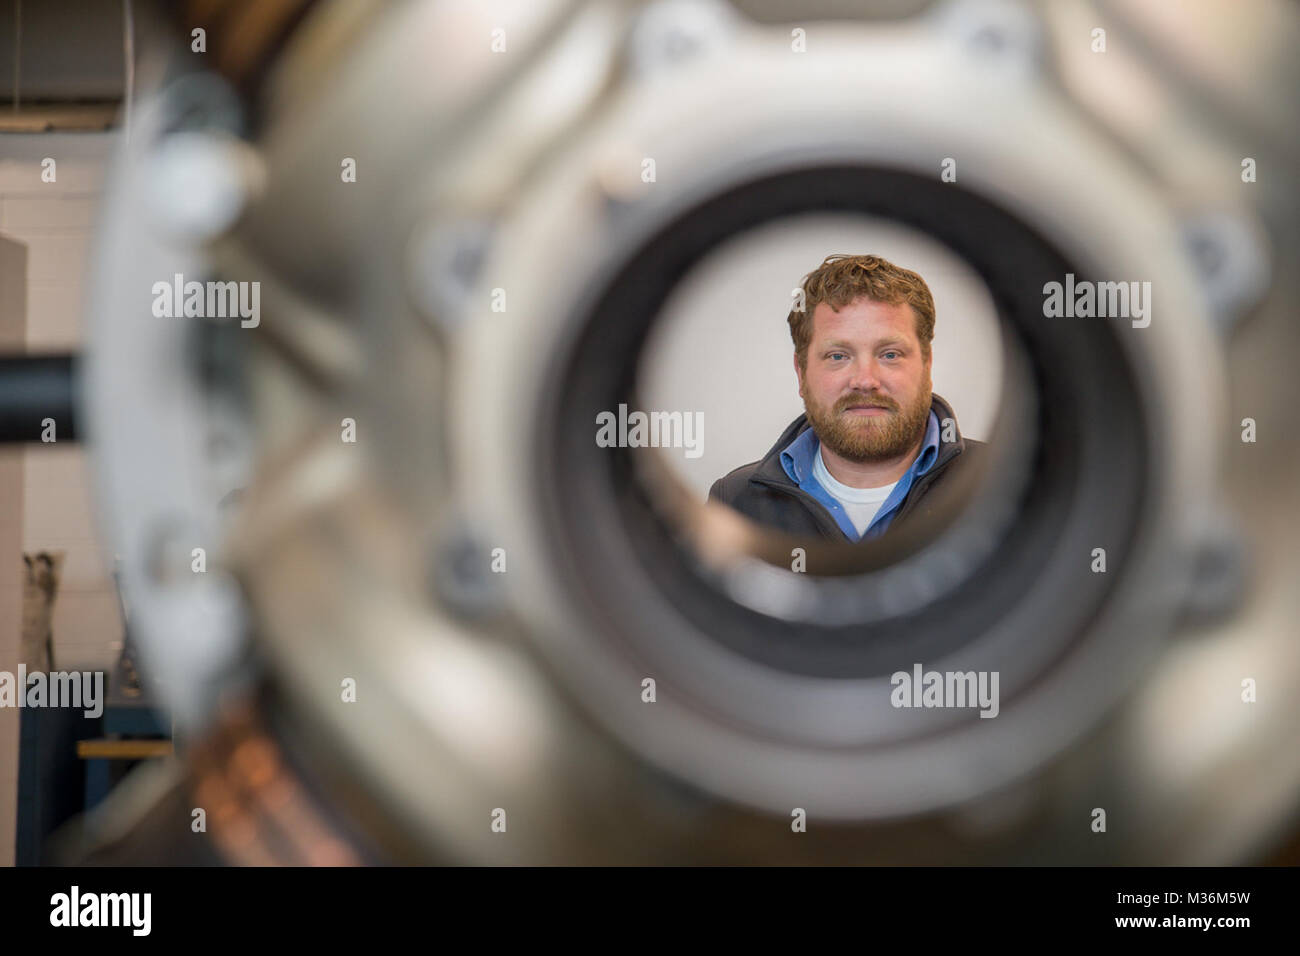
(1064, 474)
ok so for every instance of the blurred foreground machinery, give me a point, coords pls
(383, 171)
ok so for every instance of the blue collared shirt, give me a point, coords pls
(797, 460)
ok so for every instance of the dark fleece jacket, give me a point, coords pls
(763, 491)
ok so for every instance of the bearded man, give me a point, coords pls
(874, 440)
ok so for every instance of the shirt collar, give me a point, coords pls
(797, 457)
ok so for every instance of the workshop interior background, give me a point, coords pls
(67, 58)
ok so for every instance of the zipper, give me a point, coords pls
(917, 491)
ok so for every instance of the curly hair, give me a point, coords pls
(842, 279)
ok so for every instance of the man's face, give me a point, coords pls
(867, 385)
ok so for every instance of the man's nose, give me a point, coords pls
(866, 375)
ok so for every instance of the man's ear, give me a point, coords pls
(798, 371)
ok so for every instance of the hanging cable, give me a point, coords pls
(128, 55)
(18, 52)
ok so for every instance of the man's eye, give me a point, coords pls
(835, 356)
(890, 355)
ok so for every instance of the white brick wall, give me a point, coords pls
(55, 221)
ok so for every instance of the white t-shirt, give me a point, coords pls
(861, 504)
